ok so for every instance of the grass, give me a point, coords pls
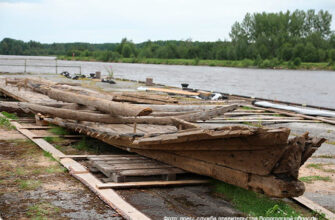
(29, 184)
(55, 169)
(246, 108)
(330, 142)
(20, 171)
(58, 130)
(325, 156)
(320, 166)
(5, 123)
(84, 145)
(53, 139)
(49, 155)
(246, 63)
(258, 124)
(42, 210)
(311, 179)
(9, 115)
(254, 204)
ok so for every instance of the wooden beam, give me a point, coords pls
(151, 183)
(241, 121)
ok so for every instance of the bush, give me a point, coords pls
(246, 63)
(297, 61)
(274, 62)
(265, 64)
(331, 55)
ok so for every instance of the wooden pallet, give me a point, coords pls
(131, 167)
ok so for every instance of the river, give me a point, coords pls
(301, 86)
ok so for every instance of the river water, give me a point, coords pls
(301, 86)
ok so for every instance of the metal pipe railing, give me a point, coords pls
(25, 64)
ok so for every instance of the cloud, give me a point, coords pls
(110, 20)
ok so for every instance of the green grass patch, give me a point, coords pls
(320, 166)
(42, 210)
(311, 179)
(9, 115)
(49, 155)
(83, 144)
(58, 130)
(246, 108)
(326, 156)
(254, 204)
(29, 184)
(53, 139)
(5, 123)
(20, 171)
(55, 169)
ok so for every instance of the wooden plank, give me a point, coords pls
(173, 91)
(314, 206)
(151, 183)
(60, 136)
(151, 172)
(76, 156)
(36, 127)
(241, 121)
(119, 167)
(124, 161)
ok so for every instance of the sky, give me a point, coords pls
(101, 21)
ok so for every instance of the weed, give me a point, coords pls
(320, 166)
(49, 155)
(58, 130)
(53, 139)
(82, 145)
(55, 169)
(254, 204)
(315, 165)
(42, 210)
(311, 179)
(9, 115)
(325, 156)
(20, 171)
(29, 184)
(5, 123)
(247, 108)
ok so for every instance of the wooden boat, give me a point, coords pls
(259, 159)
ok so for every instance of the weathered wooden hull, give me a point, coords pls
(263, 160)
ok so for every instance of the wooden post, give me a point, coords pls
(25, 66)
(149, 82)
(98, 75)
(56, 67)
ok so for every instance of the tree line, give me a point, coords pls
(285, 36)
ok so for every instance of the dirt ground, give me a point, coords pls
(34, 186)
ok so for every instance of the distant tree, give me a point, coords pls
(126, 51)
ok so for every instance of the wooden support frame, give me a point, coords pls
(150, 183)
(109, 196)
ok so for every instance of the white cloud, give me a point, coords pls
(110, 20)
